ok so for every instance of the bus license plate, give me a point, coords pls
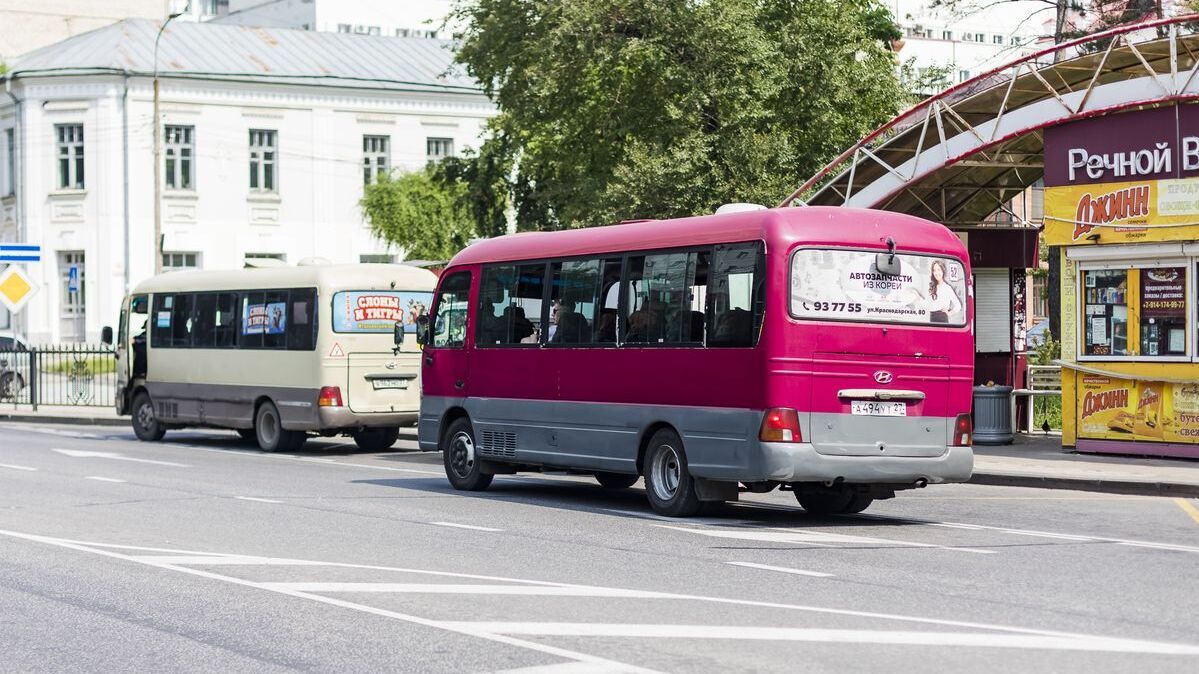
(389, 383)
(871, 408)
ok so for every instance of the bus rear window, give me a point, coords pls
(847, 285)
(378, 310)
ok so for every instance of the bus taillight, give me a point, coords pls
(963, 428)
(330, 397)
(780, 424)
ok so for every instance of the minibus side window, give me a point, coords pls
(735, 295)
(577, 316)
(450, 312)
(160, 320)
(510, 305)
(301, 335)
(666, 298)
(205, 313)
(274, 333)
(182, 322)
(253, 321)
(225, 321)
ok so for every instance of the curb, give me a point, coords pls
(1127, 487)
(31, 418)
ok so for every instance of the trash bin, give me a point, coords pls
(992, 415)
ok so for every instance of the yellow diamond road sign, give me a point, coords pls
(15, 288)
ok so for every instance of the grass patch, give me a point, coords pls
(93, 365)
(1047, 408)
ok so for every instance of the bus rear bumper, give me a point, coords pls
(800, 462)
(341, 418)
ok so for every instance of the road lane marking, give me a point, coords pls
(256, 499)
(820, 635)
(464, 526)
(782, 569)
(220, 560)
(1188, 508)
(88, 454)
(102, 479)
(363, 608)
(438, 588)
(562, 668)
(818, 539)
(16, 467)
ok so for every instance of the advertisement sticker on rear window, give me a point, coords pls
(265, 319)
(378, 310)
(851, 285)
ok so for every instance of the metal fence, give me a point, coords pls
(58, 374)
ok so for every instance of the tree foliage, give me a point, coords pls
(426, 215)
(618, 109)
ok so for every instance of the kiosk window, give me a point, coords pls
(1163, 311)
(1105, 313)
(1139, 313)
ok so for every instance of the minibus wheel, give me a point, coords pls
(268, 428)
(462, 465)
(616, 480)
(668, 484)
(145, 422)
(843, 502)
(376, 439)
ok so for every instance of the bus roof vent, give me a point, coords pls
(739, 208)
(313, 262)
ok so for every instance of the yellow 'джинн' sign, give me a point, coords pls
(1129, 212)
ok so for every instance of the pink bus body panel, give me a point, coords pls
(800, 364)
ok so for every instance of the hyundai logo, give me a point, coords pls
(883, 377)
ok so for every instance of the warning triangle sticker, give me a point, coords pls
(336, 351)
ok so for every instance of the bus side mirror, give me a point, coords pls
(106, 335)
(398, 334)
(422, 330)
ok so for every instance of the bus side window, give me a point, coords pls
(664, 298)
(224, 329)
(182, 322)
(450, 312)
(734, 295)
(253, 321)
(205, 313)
(160, 321)
(274, 334)
(301, 335)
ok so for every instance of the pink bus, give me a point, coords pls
(826, 351)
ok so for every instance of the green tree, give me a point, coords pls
(618, 109)
(423, 213)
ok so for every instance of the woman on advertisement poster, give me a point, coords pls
(943, 301)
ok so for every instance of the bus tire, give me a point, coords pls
(145, 423)
(268, 429)
(844, 502)
(376, 439)
(462, 466)
(616, 480)
(668, 484)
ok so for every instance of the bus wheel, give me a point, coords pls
(462, 467)
(841, 502)
(616, 480)
(376, 439)
(145, 423)
(668, 484)
(268, 428)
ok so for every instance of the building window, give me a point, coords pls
(437, 149)
(1015, 41)
(69, 139)
(264, 259)
(997, 39)
(979, 37)
(376, 157)
(403, 32)
(345, 28)
(263, 160)
(373, 30)
(375, 258)
(1155, 326)
(179, 157)
(173, 261)
(947, 35)
(10, 163)
(963, 75)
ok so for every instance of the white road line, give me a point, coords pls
(819, 635)
(782, 569)
(107, 550)
(1051, 534)
(464, 526)
(231, 560)
(256, 500)
(812, 538)
(15, 467)
(305, 459)
(363, 608)
(437, 588)
(562, 668)
(102, 479)
(88, 454)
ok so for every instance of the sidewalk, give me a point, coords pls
(1039, 461)
(63, 414)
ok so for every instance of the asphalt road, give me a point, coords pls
(202, 554)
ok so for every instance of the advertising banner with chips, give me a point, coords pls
(378, 310)
(1111, 408)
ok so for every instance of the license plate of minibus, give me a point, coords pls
(871, 408)
(389, 383)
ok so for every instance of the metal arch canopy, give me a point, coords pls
(961, 155)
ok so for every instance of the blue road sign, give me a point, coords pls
(20, 252)
(73, 279)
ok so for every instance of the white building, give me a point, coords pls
(971, 40)
(396, 18)
(267, 134)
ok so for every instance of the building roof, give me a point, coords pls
(276, 55)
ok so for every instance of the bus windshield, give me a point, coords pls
(378, 310)
(835, 284)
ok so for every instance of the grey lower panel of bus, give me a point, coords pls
(232, 406)
(721, 444)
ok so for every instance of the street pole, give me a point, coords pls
(158, 152)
